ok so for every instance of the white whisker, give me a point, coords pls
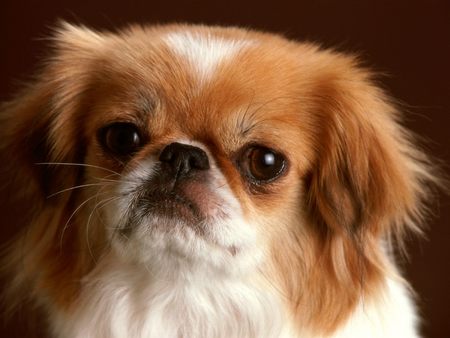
(75, 187)
(102, 203)
(80, 165)
(71, 216)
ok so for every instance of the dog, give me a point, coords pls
(194, 181)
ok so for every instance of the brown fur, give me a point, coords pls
(354, 177)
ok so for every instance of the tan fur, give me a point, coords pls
(354, 177)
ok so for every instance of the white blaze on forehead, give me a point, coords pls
(203, 51)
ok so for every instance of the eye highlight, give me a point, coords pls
(262, 164)
(121, 138)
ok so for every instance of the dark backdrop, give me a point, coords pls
(408, 40)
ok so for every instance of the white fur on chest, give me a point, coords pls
(389, 315)
(125, 301)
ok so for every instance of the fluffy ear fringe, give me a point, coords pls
(78, 38)
(29, 151)
(367, 190)
(371, 179)
(30, 119)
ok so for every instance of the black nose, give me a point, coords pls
(184, 159)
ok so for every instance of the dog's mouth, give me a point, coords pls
(192, 217)
(173, 205)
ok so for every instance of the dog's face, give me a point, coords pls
(202, 156)
(217, 148)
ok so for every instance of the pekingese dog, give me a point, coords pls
(192, 181)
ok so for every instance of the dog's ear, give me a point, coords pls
(364, 191)
(369, 180)
(41, 126)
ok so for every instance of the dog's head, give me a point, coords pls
(210, 148)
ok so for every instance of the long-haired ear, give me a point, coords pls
(39, 126)
(370, 179)
(366, 188)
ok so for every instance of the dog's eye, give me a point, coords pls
(262, 164)
(121, 138)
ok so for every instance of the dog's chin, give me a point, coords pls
(174, 229)
(166, 242)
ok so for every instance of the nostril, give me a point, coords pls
(166, 155)
(193, 162)
(199, 161)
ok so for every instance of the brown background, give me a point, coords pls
(408, 40)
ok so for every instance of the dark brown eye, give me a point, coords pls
(262, 164)
(121, 138)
